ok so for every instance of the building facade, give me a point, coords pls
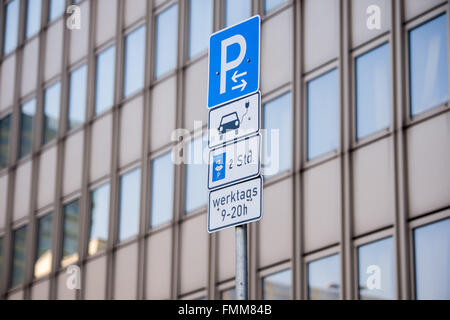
(93, 205)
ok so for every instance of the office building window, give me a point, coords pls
(5, 129)
(11, 26)
(229, 294)
(196, 174)
(277, 135)
(77, 97)
(236, 11)
(324, 278)
(104, 85)
(373, 97)
(27, 115)
(51, 112)
(56, 8)
(166, 41)
(18, 263)
(376, 270)
(200, 25)
(270, 5)
(98, 235)
(1, 256)
(428, 65)
(134, 61)
(130, 190)
(432, 261)
(162, 190)
(277, 286)
(43, 258)
(322, 114)
(70, 233)
(33, 17)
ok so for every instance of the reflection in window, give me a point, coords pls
(196, 174)
(18, 263)
(56, 8)
(134, 61)
(130, 190)
(166, 41)
(43, 262)
(322, 114)
(104, 85)
(51, 112)
(70, 233)
(27, 115)
(324, 278)
(428, 65)
(277, 142)
(236, 11)
(372, 91)
(376, 270)
(77, 97)
(277, 286)
(33, 17)
(229, 294)
(11, 26)
(269, 5)
(200, 25)
(5, 129)
(162, 190)
(98, 237)
(432, 261)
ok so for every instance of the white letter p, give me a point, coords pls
(224, 65)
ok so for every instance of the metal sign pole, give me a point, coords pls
(241, 262)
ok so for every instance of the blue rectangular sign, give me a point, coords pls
(234, 62)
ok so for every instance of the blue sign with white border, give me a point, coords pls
(234, 62)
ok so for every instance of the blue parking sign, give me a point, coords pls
(234, 62)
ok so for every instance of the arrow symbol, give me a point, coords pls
(236, 75)
(242, 85)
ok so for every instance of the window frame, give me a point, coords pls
(42, 214)
(382, 133)
(60, 253)
(188, 60)
(271, 271)
(8, 113)
(128, 32)
(10, 267)
(411, 119)
(73, 68)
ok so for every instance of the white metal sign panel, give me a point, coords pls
(234, 120)
(235, 205)
(234, 162)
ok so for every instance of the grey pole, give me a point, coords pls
(241, 262)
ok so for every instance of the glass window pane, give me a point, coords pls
(432, 261)
(200, 25)
(322, 109)
(77, 97)
(104, 95)
(98, 238)
(56, 8)
(277, 142)
(324, 278)
(229, 294)
(373, 97)
(43, 262)
(162, 189)
(1, 256)
(134, 61)
(166, 41)
(51, 112)
(33, 17)
(27, 115)
(196, 174)
(70, 233)
(428, 65)
(269, 5)
(11, 26)
(376, 270)
(277, 286)
(130, 190)
(5, 129)
(236, 11)
(18, 263)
